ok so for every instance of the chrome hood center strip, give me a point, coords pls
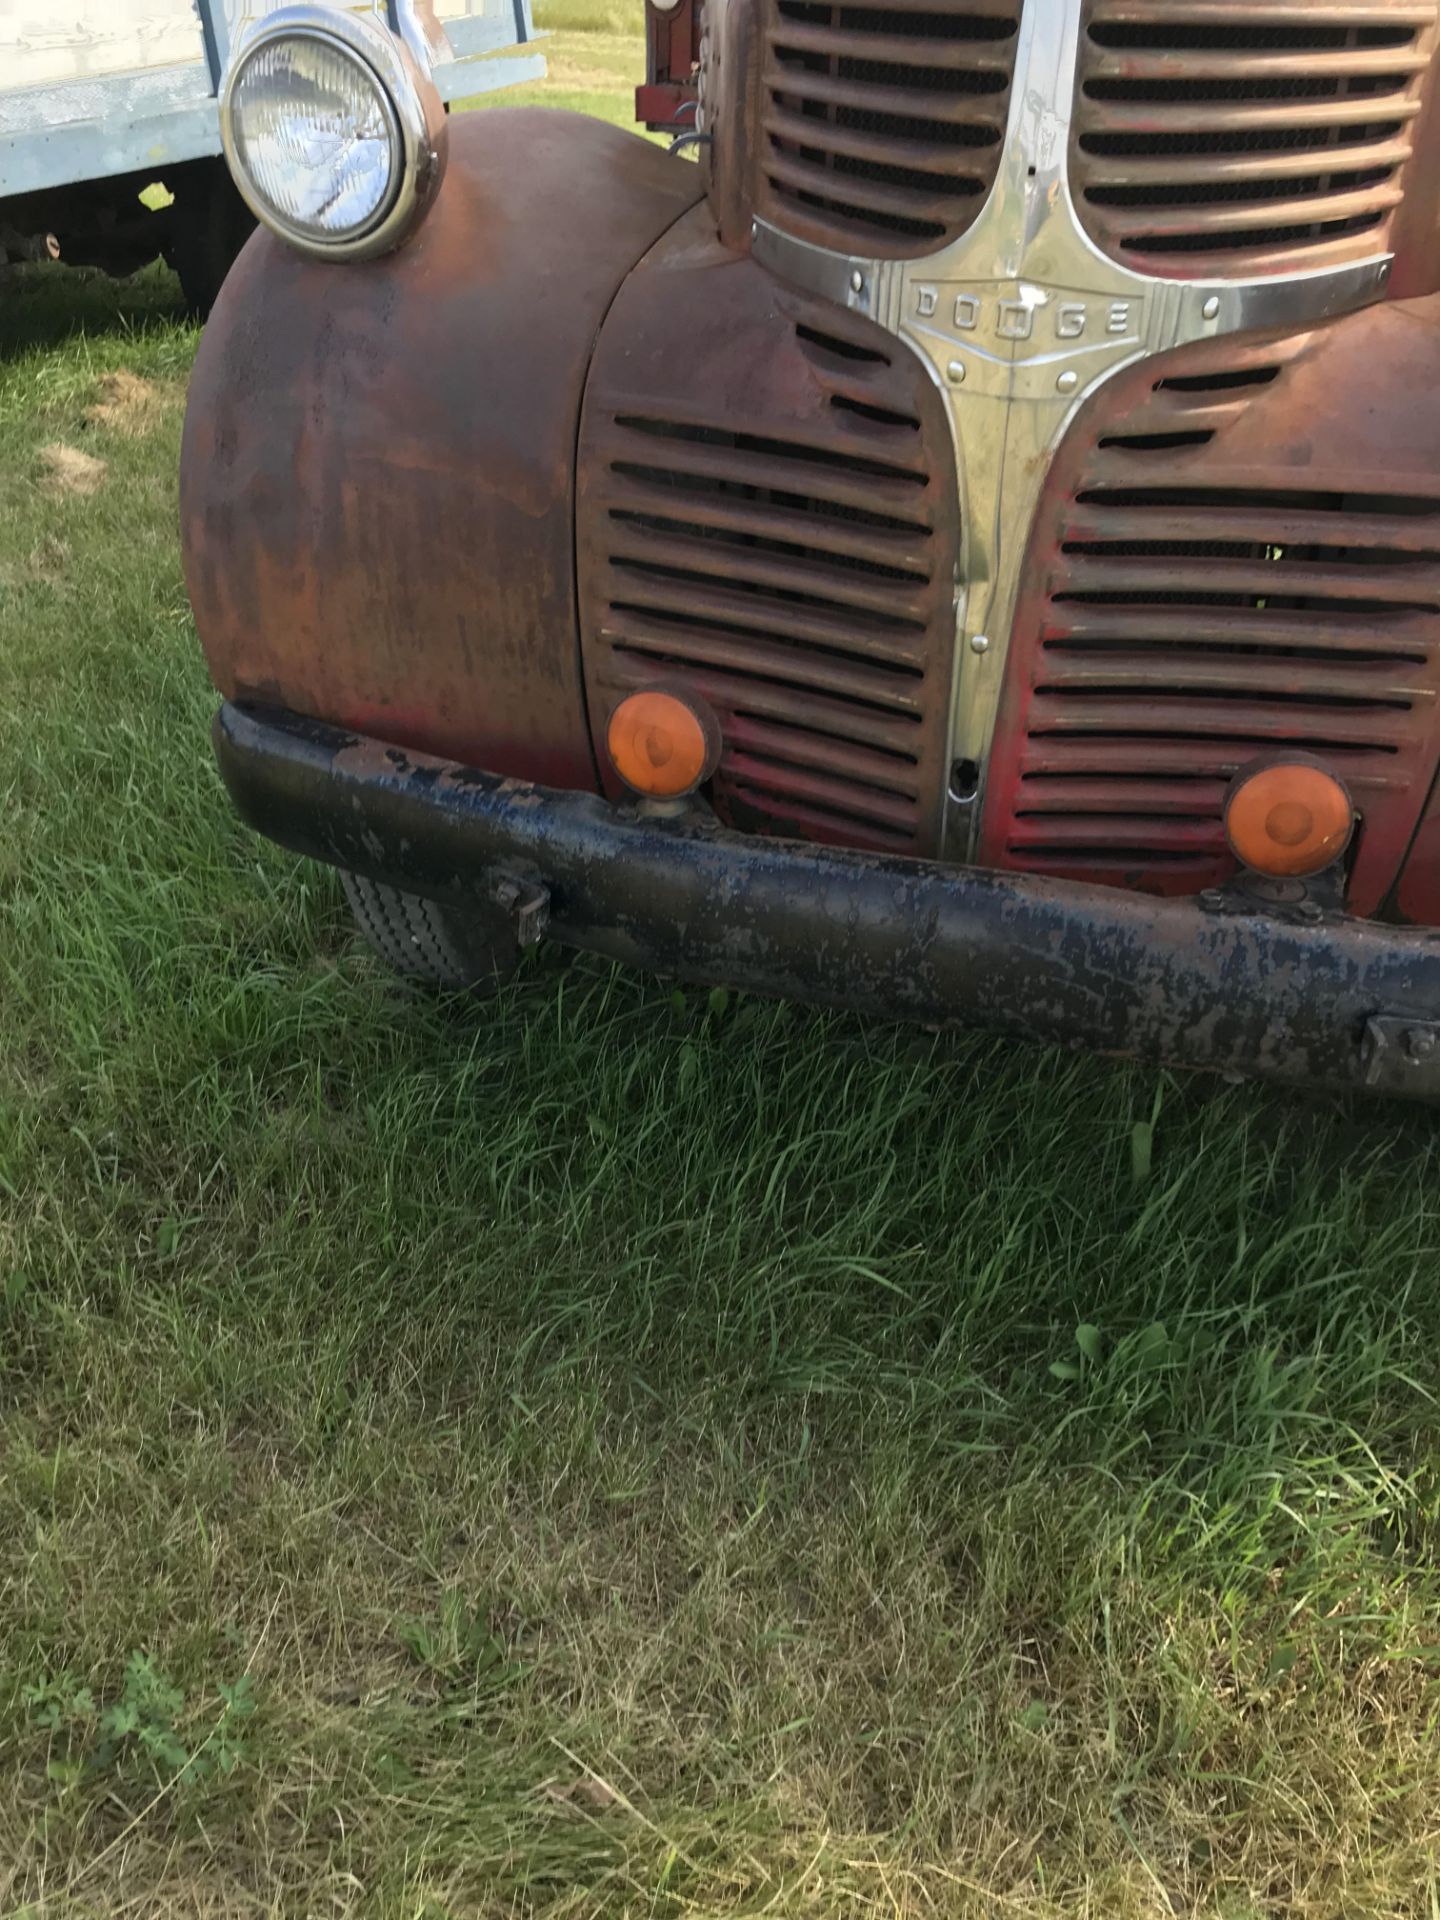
(1019, 323)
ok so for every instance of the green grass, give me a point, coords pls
(607, 1455)
(595, 56)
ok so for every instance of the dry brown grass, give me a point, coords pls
(127, 404)
(66, 470)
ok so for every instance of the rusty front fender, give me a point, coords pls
(377, 483)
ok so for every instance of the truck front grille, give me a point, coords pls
(883, 124)
(1227, 566)
(1232, 137)
(768, 516)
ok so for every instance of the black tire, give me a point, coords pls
(209, 224)
(463, 952)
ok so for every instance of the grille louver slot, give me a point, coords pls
(1218, 137)
(1200, 598)
(788, 583)
(787, 550)
(883, 124)
(1175, 635)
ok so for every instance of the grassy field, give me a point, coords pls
(595, 56)
(626, 1454)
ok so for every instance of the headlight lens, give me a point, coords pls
(334, 135)
(316, 137)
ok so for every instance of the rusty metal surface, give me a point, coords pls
(1414, 230)
(1332, 1002)
(666, 98)
(1220, 137)
(378, 468)
(1238, 550)
(1417, 894)
(873, 129)
(729, 49)
(768, 512)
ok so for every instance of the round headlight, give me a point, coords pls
(327, 132)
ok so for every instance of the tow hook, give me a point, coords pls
(525, 903)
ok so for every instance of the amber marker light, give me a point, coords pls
(1289, 819)
(661, 745)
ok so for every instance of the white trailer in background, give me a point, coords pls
(102, 99)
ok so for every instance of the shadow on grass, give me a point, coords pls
(47, 305)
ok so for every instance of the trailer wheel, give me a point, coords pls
(210, 223)
(461, 951)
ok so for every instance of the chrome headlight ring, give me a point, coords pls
(413, 116)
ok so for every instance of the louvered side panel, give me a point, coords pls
(1226, 566)
(882, 125)
(768, 518)
(1237, 137)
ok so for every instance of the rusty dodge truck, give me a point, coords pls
(968, 549)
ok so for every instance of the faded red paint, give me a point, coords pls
(1271, 579)
(377, 490)
(672, 48)
(1179, 186)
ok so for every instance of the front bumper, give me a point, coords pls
(1329, 1002)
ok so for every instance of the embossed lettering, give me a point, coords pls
(1032, 314)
